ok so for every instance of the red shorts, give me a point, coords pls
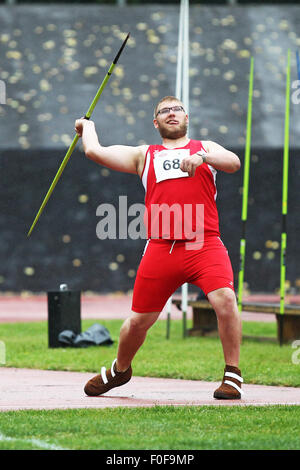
(166, 265)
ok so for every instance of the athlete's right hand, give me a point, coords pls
(79, 123)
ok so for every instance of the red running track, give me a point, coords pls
(34, 308)
(23, 389)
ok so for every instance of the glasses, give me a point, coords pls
(175, 109)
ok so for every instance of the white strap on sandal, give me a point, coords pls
(103, 372)
(112, 368)
(103, 375)
(234, 376)
(233, 384)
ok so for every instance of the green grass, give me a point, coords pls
(157, 428)
(196, 358)
(212, 427)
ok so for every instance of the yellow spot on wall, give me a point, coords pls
(66, 238)
(76, 262)
(83, 198)
(29, 271)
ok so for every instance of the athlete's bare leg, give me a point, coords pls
(132, 335)
(224, 303)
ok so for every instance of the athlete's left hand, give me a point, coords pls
(191, 163)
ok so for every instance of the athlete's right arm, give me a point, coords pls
(117, 157)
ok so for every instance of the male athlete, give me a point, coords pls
(180, 174)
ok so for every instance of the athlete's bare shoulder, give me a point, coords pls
(141, 159)
(211, 146)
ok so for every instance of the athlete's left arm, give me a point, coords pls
(221, 158)
(215, 155)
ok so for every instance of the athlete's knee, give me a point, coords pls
(223, 301)
(140, 322)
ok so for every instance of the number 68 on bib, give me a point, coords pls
(167, 164)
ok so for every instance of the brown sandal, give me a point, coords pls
(230, 389)
(107, 379)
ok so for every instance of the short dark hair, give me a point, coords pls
(166, 98)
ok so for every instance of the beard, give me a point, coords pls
(177, 133)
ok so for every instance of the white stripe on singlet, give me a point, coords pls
(214, 173)
(146, 169)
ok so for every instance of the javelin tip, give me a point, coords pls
(121, 49)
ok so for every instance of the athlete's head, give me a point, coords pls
(170, 118)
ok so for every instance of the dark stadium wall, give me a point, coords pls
(64, 246)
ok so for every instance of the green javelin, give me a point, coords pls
(76, 138)
(285, 186)
(245, 188)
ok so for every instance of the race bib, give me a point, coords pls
(167, 164)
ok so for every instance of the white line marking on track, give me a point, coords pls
(34, 442)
